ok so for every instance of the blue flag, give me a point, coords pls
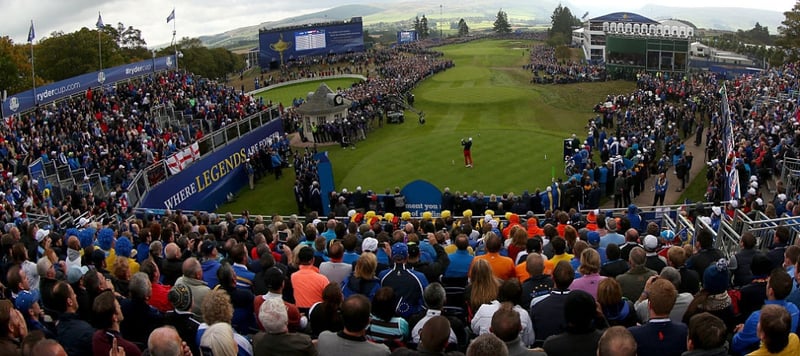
(31, 34)
(171, 16)
(99, 21)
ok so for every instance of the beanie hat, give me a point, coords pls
(467, 213)
(406, 215)
(180, 297)
(446, 214)
(715, 277)
(427, 215)
(86, 237)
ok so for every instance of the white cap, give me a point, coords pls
(351, 212)
(369, 244)
(782, 196)
(549, 189)
(650, 242)
(82, 222)
(470, 138)
(706, 220)
(751, 191)
(753, 178)
(41, 234)
(734, 203)
(759, 201)
(716, 210)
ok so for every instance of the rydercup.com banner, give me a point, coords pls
(27, 100)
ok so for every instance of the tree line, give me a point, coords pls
(62, 55)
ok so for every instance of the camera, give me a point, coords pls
(283, 236)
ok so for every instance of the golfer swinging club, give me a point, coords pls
(467, 155)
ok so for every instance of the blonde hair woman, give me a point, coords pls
(483, 285)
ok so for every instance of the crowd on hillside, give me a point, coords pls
(547, 69)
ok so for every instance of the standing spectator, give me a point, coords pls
(217, 309)
(219, 340)
(326, 315)
(12, 329)
(171, 266)
(653, 260)
(614, 265)
(158, 291)
(660, 336)
(616, 341)
(404, 281)
(707, 335)
(581, 334)
(238, 257)
(210, 263)
(547, 311)
(682, 301)
(612, 237)
(780, 242)
(307, 282)
(775, 333)
(690, 280)
(351, 341)
(741, 261)
(616, 309)
(589, 270)
(779, 285)
(277, 340)
(141, 318)
(708, 254)
(633, 281)
(30, 310)
(660, 187)
(363, 280)
(181, 317)
(108, 316)
(243, 320)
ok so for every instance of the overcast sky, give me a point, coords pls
(206, 17)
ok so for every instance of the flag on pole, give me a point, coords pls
(31, 33)
(99, 24)
(171, 16)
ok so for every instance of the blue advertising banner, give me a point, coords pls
(326, 185)
(422, 196)
(287, 44)
(27, 100)
(206, 184)
(404, 37)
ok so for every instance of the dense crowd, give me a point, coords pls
(578, 284)
(547, 69)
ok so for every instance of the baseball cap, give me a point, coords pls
(593, 237)
(399, 251)
(274, 278)
(650, 243)
(25, 300)
(413, 249)
(209, 246)
(180, 297)
(41, 234)
(370, 244)
(75, 273)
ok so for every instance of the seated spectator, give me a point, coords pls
(121, 274)
(219, 339)
(616, 341)
(167, 342)
(507, 327)
(652, 260)
(614, 265)
(707, 336)
(277, 340)
(660, 336)
(509, 292)
(589, 270)
(404, 281)
(483, 286)
(47, 279)
(243, 321)
(325, 315)
(681, 303)
(158, 291)
(713, 296)
(633, 281)
(32, 313)
(334, 269)
(351, 341)
(487, 344)
(779, 285)
(538, 284)
(385, 327)
(48, 347)
(172, 264)
(433, 339)
(460, 258)
(181, 318)
(140, 317)
(210, 263)
(307, 282)
(690, 280)
(74, 334)
(107, 317)
(434, 302)
(581, 333)
(193, 278)
(775, 332)
(275, 280)
(502, 267)
(547, 311)
(560, 250)
(616, 309)
(434, 268)
(244, 277)
(363, 280)
(217, 309)
(12, 329)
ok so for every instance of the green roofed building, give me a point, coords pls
(628, 43)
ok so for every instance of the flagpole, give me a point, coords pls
(99, 41)
(33, 70)
(175, 40)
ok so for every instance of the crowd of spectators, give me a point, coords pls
(546, 68)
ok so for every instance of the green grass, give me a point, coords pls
(286, 94)
(696, 189)
(487, 96)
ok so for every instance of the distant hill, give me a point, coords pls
(389, 15)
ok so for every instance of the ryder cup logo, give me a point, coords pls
(13, 103)
(101, 77)
(169, 62)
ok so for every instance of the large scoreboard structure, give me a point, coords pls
(278, 46)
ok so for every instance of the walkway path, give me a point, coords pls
(672, 197)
